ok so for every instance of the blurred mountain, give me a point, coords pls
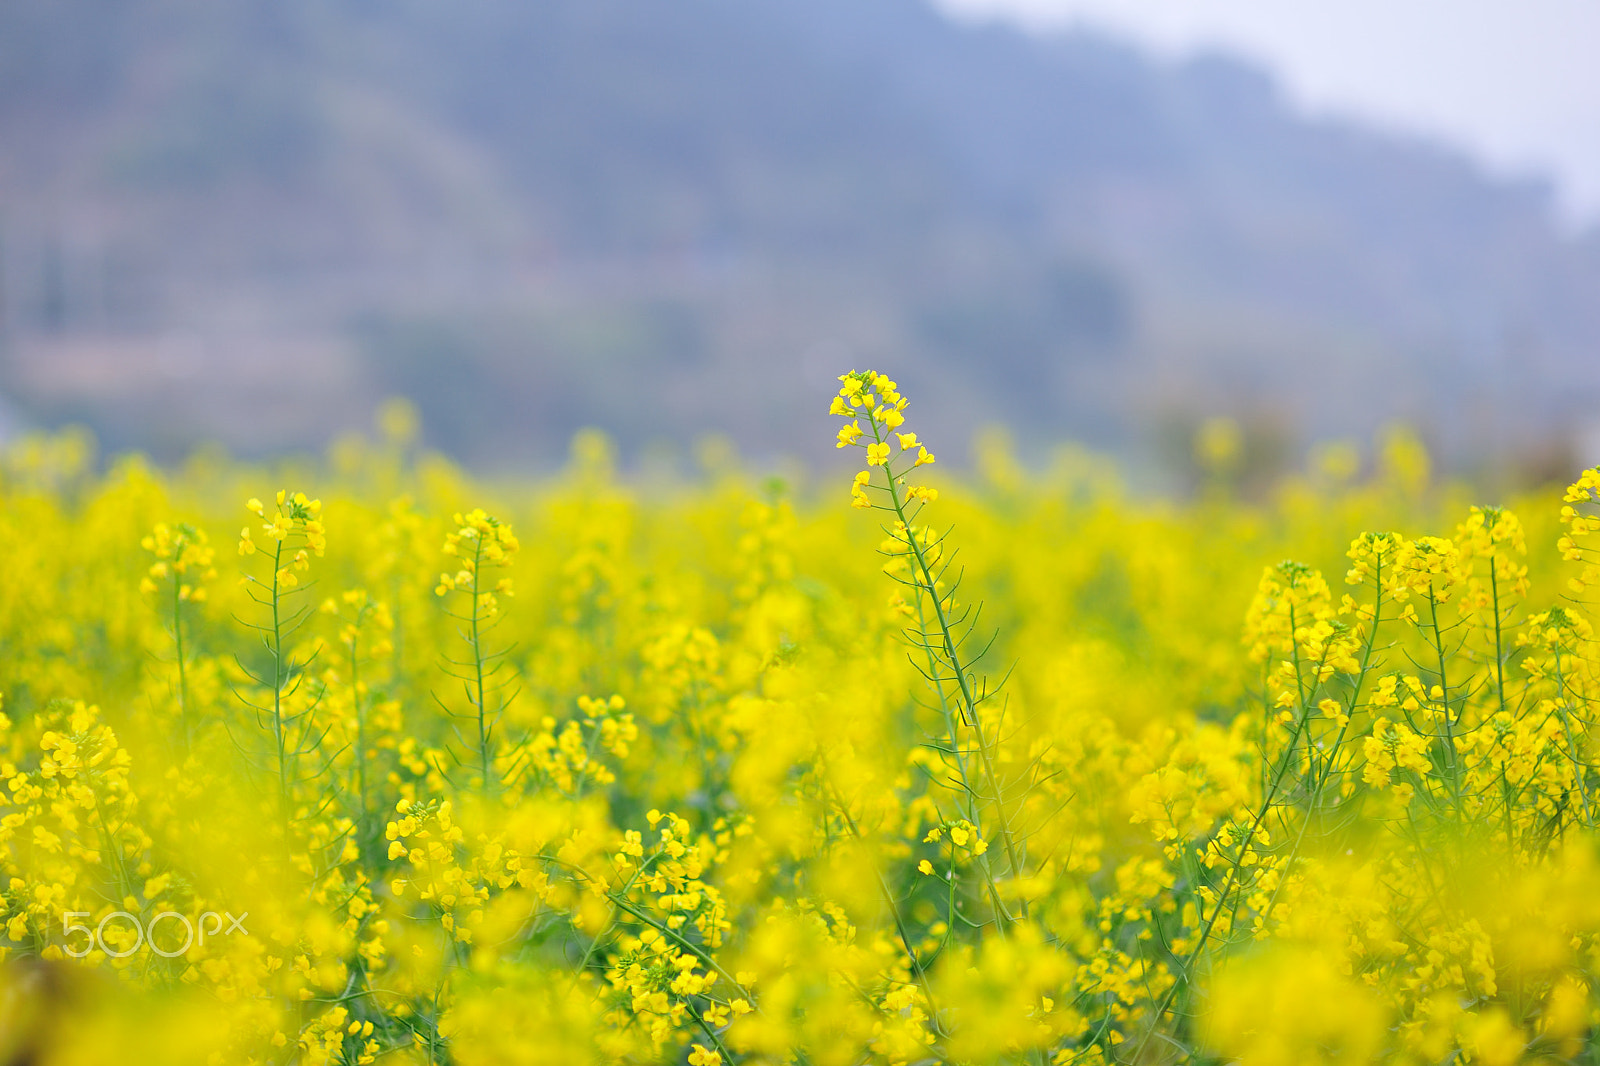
(252, 220)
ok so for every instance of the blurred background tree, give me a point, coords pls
(252, 222)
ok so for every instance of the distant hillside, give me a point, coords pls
(252, 220)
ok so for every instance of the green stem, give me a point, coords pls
(968, 794)
(968, 701)
(1451, 761)
(477, 663)
(183, 674)
(1186, 971)
(278, 730)
(361, 731)
(1580, 767)
(899, 922)
(1499, 654)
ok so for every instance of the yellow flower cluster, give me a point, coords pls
(1085, 781)
(296, 523)
(184, 557)
(871, 395)
(481, 542)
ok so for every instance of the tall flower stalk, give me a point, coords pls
(291, 536)
(183, 560)
(483, 544)
(939, 628)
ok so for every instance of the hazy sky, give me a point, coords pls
(1517, 82)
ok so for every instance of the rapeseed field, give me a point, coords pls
(366, 761)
